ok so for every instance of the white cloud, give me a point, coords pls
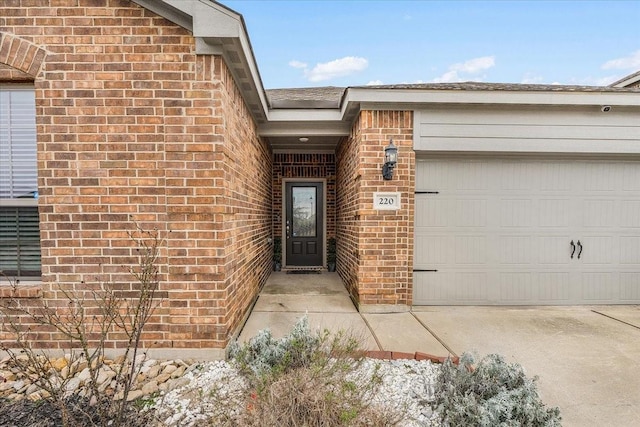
(297, 64)
(624, 63)
(475, 65)
(375, 83)
(466, 70)
(336, 68)
(530, 78)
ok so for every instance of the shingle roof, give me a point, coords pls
(330, 96)
(319, 97)
(496, 86)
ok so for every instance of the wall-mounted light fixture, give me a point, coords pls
(390, 160)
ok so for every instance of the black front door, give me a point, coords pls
(304, 224)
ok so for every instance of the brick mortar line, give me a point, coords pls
(434, 334)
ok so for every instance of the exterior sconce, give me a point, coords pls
(390, 160)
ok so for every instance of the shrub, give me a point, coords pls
(305, 379)
(90, 314)
(495, 393)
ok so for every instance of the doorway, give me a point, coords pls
(304, 224)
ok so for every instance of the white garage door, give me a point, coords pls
(527, 231)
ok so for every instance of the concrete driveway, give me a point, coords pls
(587, 358)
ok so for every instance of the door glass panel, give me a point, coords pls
(304, 211)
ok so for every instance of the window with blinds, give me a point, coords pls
(19, 222)
(19, 241)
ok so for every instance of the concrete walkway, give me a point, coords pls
(587, 358)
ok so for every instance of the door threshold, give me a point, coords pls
(303, 268)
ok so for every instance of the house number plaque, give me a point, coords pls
(386, 201)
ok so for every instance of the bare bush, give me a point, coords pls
(83, 325)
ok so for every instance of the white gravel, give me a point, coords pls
(407, 386)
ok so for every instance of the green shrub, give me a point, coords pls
(495, 393)
(265, 355)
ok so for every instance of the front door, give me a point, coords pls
(304, 224)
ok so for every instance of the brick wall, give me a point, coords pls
(132, 125)
(304, 165)
(375, 248)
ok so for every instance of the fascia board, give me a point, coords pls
(410, 97)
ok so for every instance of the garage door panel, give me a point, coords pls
(516, 176)
(554, 250)
(554, 287)
(516, 213)
(433, 213)
(630, 214)
(470, 249)
(468, 213)
(555, 177)
(600, 287)
(553, 213)
(472, 176)
(516, 287)
(499, 231)
(471, 286)
(433, 251)
(599, 250)
(630, 287)
(443, 287)
(601, 177)
(599, 213)
(630, 177)
(630, 250)
(515, 250)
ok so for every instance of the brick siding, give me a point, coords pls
(133, 125)
(304, 165)
(375, 248)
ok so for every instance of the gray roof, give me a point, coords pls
(331, 96)
(630, 78)
(308, 97)
(497, 86)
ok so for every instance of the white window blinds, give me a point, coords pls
(19, 221)
(18, 168)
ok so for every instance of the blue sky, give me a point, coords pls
(349, 43)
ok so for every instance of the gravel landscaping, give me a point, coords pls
(183, 394)
(407, 386)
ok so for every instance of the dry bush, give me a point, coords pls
(307, 379)
(84, 323)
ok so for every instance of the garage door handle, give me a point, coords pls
(573, 249)
(580, 247)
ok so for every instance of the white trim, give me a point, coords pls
(283, 215)
(18, 202)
